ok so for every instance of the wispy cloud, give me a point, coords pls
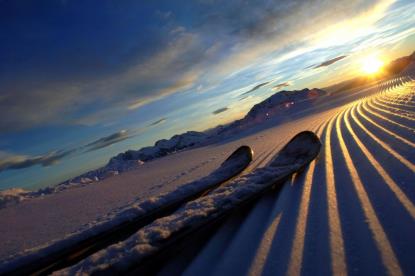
(256, 87)
(220, 110)
(10, 161)
(158, 122)
(280, 85)
(108, 140)
(329, 62)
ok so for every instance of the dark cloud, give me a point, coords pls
(14, 162)
(108, 140)
(162, 120)
(220, 110)
(280, 85)
(256, 87)
(330, 61)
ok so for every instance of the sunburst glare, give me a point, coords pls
(371, 64)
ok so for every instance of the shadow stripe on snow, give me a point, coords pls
(387, 254)
(405, 201)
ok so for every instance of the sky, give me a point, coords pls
(81, 81)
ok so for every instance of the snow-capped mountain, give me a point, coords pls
(133, 158)
(280, 104)
(161, 148)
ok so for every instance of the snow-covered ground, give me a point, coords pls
(123, 162)
(351, 211)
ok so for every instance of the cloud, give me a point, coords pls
(220, 110)
(183, 82)
(266, 28)
(108, 140)
(31, 101)
(330, 61)
(158, 122)
(9, 161)
(280, 85)
(256, 87)
(49, 78)
(13, 162)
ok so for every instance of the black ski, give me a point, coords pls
(78, 246)
(140, 253)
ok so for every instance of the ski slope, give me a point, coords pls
(351, 211)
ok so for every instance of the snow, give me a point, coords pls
(12, 196)
(146, 241)
(136, 210)
(350, 212)
(132, 159)
(152, 238)
(123, 162)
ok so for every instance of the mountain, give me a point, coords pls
(161, 148)
(399, 65)
(278, 105)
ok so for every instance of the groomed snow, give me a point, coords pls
(359, 223)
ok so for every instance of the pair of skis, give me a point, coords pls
(182, 212)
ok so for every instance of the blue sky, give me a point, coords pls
(81, 81)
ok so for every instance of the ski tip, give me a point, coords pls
(244, 152)
(301, 149)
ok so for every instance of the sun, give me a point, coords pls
(371, 64)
